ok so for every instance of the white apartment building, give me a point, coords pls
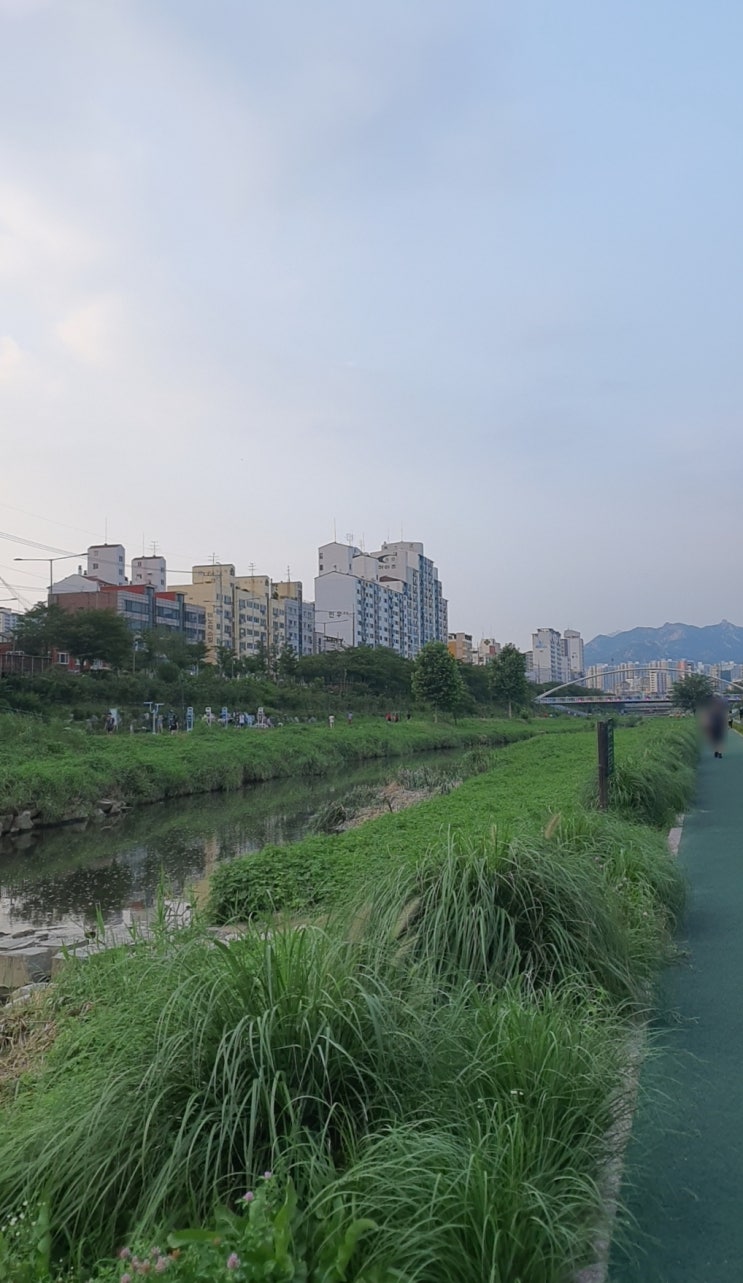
(107, 561)
(149, 570)
(8, 622)
(549, 663)
(572, 644)
(388, 598)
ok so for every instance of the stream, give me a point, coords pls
(69, 875)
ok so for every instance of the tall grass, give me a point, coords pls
(446, 1059)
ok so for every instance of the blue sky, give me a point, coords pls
(471, 269)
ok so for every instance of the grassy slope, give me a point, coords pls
(64, 773)
(471, 1130)
(530, 781)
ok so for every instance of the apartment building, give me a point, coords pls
(557, 657)
(460, 646)
(141, 606)
(572, 645)
(212, 590)
(107, 561)
(149, 570)
(549, 663)
(390, 598)
(8, 622)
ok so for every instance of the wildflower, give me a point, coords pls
(125, 1254)
(125, 1278)
(233, 1261)
(267, 1176)
(248, 1198)
(162, 1264)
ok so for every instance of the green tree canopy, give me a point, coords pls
(437, 680)
(89, 635)
(286, 665)
(508, 685)
(40, 629)
(692, 691)
(97, 636)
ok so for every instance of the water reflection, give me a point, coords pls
(68, 875)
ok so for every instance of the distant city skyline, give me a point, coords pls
(274, 271)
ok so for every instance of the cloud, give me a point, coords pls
(34, 239)
(88, 332)
(11, 358)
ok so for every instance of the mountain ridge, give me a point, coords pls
(706, 644)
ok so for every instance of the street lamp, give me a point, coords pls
(68, 556)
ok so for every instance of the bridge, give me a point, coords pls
(637, 702)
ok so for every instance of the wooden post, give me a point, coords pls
(605, 738)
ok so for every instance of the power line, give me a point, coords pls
(38, 517)
(31, 543)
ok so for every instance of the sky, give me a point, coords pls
(466, 269)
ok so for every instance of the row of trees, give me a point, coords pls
(439, 681)
(435, 678)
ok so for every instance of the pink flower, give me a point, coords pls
(162, 1265)
(125, 1278)
(125, 1254)
(248, 1198)
(267, 1176)
(233, 1261)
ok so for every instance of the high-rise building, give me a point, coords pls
(389, 598)
(548, 657)
(572, 644)
(212, 589)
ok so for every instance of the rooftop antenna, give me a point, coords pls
(251, 568)
(288, 574)
(214, 559)
(335, 535)
(105, 530)
(349, 537)
(153, 547)
(143, 543)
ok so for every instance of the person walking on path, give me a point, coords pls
(331, 721)
(717, 724)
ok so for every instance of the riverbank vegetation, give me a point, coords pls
(419, 1085)
(62, 772)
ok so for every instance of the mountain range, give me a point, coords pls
(712, 644)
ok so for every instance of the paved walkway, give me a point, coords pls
(684, 1176)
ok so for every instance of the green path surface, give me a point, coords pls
(684, 1175)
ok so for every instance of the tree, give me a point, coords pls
(168, 645)
(40, 629)
(286, 665)
(436, 679)
(692, 691)
(97, 636)
(508, 685)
